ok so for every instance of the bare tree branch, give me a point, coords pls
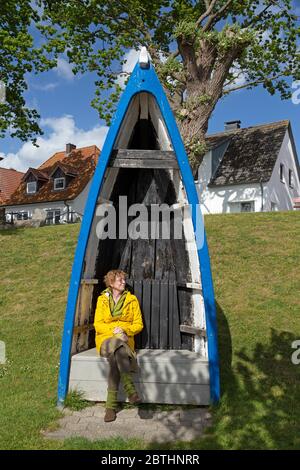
(209, 7)
(212, 19)
(254, 83)
(234, 78)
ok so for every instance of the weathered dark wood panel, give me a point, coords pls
(175, 319)
(164, 315)
(146, 308)
(143, 159)
(155, 315)
(159, 304)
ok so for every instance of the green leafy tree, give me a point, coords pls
(202, 50)
(17, 57)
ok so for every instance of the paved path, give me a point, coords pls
(147, 425)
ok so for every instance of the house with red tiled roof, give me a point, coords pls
(9, 181)
(56, 191)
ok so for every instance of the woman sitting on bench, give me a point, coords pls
(118, 319)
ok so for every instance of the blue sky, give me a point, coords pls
(63, 102)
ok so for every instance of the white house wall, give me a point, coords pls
(38, 210)
(221, 199)
(280, 192)
(79, 202)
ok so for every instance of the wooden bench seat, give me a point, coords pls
(165, 376)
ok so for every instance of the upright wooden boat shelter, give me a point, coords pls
(143, 158)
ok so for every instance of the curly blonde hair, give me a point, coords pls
(110, 277)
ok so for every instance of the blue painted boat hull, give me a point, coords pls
(142, 80)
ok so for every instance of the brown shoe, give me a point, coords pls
(110, 415)
(134, 399)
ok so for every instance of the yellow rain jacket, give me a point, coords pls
(130, 319)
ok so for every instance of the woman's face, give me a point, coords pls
(118, 284)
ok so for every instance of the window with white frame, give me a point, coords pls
(282, 172)
(24, 215)
(59, 183)
(53, 217)
(31, 187)
(291, 183)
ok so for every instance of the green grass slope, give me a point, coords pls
(255, 264)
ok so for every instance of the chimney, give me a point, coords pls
(70, 148)
(231, 125)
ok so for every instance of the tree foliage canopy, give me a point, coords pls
(17, 57)
(202, 50)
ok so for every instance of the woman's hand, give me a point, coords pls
(121, 334)
(118, 330)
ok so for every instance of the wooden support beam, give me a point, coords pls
(189, 285)
(83, 328)
(192, 330)
(89, 281)
(157, 159)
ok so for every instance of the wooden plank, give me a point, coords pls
(138, 291)
(189, 285)
(175, 320)
(192, 330)
(154, 341)
(146, 311)
(142, 153)
(185, 394)
(80, 339)
(125, 260)
(163, 315)
(127, 158)
(175, 371)
(170, 313)
(83, 328)
(130, 283)
(144, 106)
(186, 305)
(143, 163)
(89, 281)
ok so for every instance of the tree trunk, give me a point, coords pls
(206, 71)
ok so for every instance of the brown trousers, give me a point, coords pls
(119, 362)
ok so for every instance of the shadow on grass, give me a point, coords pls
(259, 407)
(11, 231)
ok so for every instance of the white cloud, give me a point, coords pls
(239, 80)
(62, 131)
(131, 58)
(46, 86)
(64, 69)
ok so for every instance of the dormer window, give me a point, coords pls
(31, 187)
(59, 183)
